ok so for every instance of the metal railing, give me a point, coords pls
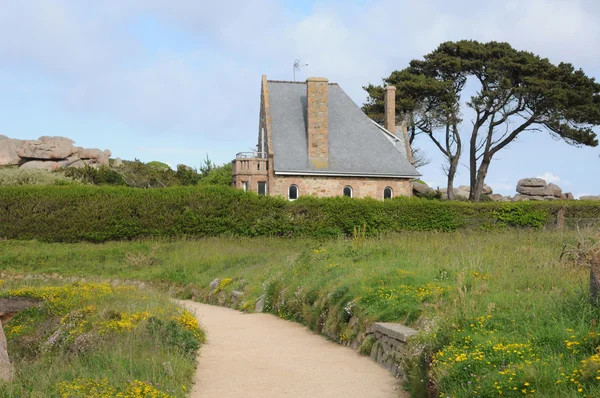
(250, 155)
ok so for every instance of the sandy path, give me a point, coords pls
(260, 355)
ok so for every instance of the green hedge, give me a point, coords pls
(75, 213)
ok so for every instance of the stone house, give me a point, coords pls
(314, 140)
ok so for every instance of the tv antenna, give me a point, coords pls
(297, 66)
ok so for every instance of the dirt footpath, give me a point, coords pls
(260, 355)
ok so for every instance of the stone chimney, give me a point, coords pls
(390, 109)
(317, 121)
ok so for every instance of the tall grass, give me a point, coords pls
(498, 311)
(92, 340)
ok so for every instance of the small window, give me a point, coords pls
(388, 193)
(293, 192)
(262, 188)
(348, 191)
(245, 186)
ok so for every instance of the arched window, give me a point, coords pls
(293, 192)
(388, 193)
(348, 191)
(262, 188)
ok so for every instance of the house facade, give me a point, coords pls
(314, 140)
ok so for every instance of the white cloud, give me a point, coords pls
(551, 178)
(208, 89)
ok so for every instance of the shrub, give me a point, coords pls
(98, 214)
(220, 175)
(102, 175)
(10, 177)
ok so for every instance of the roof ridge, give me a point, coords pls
(289, 81)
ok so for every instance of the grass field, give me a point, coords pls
(500, 313)
(94, 340)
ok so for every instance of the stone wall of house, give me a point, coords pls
(321, 186)
(250, 170)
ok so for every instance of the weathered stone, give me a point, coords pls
(9, 149)
(6, 368)
(49, 150)
(46, 138)
(93, 156)
(531, 182)
(556, 190)
(458, 193)
(374, 351)
(536, 191)
(236, 296)
(214, 284)
(77, 165)
(3, 137)
(16, 304)
(487, 190)
(590, 197)
(117, 163)
(422, 189)
(380, 355)
(49, 165)
(395, 370)
(496, 197)
(569, 196)
(395, 330)
(260, 304)
(518, 198)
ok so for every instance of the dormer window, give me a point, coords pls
(293, 192)
(348, 191)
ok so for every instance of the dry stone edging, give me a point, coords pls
(390, 345)
(390, 341)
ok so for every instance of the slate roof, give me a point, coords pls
(357, 145)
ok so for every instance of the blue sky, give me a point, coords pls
(176, 80)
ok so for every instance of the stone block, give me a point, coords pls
(394, 330)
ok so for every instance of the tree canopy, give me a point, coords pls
(517, 91)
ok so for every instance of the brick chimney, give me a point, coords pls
(390, 109)
(317, 121)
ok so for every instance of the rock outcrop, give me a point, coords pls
(9, 149)
(590, 197)
(421, 189)
(46, 150)
(49, 153)
(537, 189)
(463, 192)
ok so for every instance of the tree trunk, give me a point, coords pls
(451, 174)
(595, 279)
(473, 163)
(476, 190)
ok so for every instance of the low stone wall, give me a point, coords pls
(388, 345)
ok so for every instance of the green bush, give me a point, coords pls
(12, 176)
(102, 175)
(98, 214)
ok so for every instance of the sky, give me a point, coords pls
(179, 80)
